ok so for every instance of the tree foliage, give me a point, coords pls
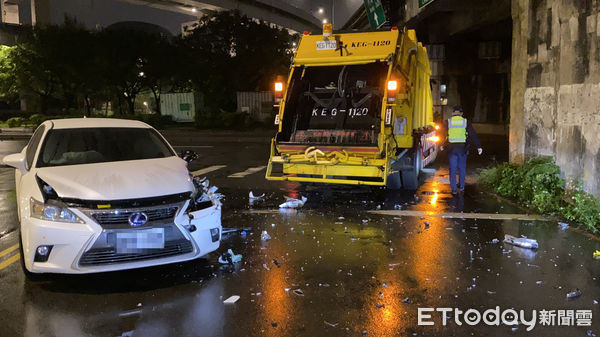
(68, 67)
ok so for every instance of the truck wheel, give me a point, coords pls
(33, 277)
(394, 181)
(410, 178)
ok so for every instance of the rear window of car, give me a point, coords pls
(100, 145)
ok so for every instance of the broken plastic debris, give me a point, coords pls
(521, 242)
(495, 240)
(574, 294)
(274, 324)
(277, 263)
(590, 333)
(563, 226)
(205, 192)
(266, 267)
(293, 202)
(596, 255)
(230, 257)
(265, 236)
(407, 300)
(379, 306)
(231, 299)
(254, 198)
(298, 292)
(333, 325)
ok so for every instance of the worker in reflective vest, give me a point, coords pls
(460, 134)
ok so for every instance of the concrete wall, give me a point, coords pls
(555, 86)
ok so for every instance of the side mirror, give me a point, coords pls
(188, 155)
(17, 161)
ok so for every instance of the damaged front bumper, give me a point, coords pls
(107, 241)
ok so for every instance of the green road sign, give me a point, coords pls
(375, 13)
(422, 3)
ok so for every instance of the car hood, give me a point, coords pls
(119, 180)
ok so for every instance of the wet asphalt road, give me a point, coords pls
(358, 272)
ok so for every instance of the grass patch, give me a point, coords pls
(538, 186)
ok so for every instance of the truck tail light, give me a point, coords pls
(392, 88)
(278, 91)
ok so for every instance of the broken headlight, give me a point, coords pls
(52, 210)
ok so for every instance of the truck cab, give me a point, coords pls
(356, 109)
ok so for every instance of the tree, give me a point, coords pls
(229, 52)
(8, 88)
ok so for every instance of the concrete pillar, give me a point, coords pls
(518, 79)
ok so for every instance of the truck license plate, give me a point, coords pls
(327, 45)
(129, 242)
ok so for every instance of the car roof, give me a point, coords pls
(73, 123)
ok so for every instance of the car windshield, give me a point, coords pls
(100, 145)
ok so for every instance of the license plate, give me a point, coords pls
(327, 45)
(132, 241)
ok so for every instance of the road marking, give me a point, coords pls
(247, 172)
(194, 146)
(208, 169)
(10, 261)
(456, 215)
(9, 250)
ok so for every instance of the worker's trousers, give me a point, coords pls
(457, 158)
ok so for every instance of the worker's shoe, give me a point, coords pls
(453, 192)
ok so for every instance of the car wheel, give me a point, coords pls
(33, 277)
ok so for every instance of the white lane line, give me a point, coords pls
(194, 146)
(247, 172)
(208, 169)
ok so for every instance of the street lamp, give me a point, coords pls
(324, 21)
(321, 10)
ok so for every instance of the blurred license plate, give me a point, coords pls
(128, 242)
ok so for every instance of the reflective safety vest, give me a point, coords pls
(457, 130)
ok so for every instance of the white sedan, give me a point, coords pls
(96, 195)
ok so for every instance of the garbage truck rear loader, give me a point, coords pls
(356, 109)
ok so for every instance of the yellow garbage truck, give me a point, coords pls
(356, 109)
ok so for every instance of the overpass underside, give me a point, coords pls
(276, 12)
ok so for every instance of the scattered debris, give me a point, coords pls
(231, 299)
(596, 255)
(495, 240)
(379, 306)
(277, 263)
(264, 236)
(333, 325)
(266, 267)
(230, 257)
(274, 324)
(563, 226)
(407, 300)
(255, 198)
(574, 294)
(521, 242)
(298, 292)
(538, 282)
(426, 224)
(590, 333)
(293, 202)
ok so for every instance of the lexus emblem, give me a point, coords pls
(138, 219)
